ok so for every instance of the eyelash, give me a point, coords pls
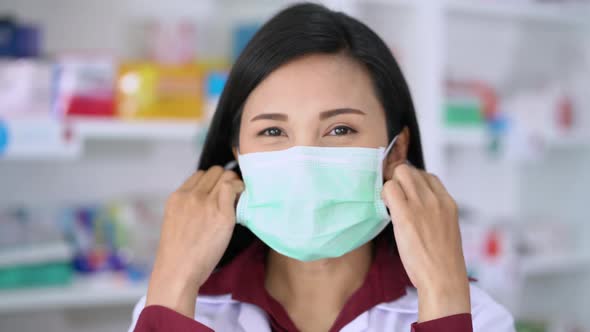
(266, 132)
(348, 130)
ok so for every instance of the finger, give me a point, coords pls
(435, 184)
(209, 179)
(227, 194)
(192, 180)
(411, 182)
(226, 176)
(394, 197)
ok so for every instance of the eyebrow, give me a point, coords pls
(328, 114)
(271, 116)
(324, 115)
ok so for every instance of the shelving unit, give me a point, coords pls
(479, 137)
(93, 129)
(476, 137)
(65, 140)
(557, 264)
(419, 31)
(84, 292)
(540, 13)
(88, 292)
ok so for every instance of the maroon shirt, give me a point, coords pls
(386, 281)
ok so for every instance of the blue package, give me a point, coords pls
(27, 41)
(7, 36)
(4, 137)
(215, 83)
(242, 35)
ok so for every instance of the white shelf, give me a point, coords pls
(45, 138)
(465, 137)
(479, 137)
(545, 13)
(134, 130)
(36, 138)
(48, 252)
(394, 3)
(554, 264)
(65, 152)
(83, 293)
(571, 141)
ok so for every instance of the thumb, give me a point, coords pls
(394, 198)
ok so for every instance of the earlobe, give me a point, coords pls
(398, 154)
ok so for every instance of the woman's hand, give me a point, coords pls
(198, 224)
(426, 229)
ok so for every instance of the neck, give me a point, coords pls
(318, 288)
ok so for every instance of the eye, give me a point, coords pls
(341, 131)
(274, 131)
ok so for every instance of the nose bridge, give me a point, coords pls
(306, 132)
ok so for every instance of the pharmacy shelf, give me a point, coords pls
(35, 138)
(408, 4)
(84, 292)
(571, 141)
(98, 129)
(508, 10)
(522, 11)
(555, 264)
(479, 137)
(50, 139)
(64, 152)
(474, 137)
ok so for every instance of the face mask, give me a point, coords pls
(310, 203)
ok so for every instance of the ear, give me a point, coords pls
(397, 155)
(234, 151)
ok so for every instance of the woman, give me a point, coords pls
(307, 112)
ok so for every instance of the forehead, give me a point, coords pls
(315, 83)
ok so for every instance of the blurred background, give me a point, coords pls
(104, 107)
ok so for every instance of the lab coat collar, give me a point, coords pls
(243, 278)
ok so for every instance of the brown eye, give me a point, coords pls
(272, 132)
(341, 131)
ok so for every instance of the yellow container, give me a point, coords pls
(155, 91)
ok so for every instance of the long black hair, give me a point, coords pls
(296, 31)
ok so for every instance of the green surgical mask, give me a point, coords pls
(310, 203)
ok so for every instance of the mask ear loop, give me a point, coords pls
(381, 170)
(231, 165)
(389, 147)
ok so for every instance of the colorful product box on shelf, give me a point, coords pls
(171, 42)
(33, 252)
(120, 237)
(150, 91)
(215, 73)
(470, 104)
(8, 32)
(215, 82)
(241, 36)
(28, 41)
(84, 86)
(25, 87)
(19, 40)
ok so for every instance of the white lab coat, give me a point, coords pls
(223, 314)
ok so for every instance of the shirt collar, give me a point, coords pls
(243, 278)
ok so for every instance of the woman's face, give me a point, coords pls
(317, 100)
